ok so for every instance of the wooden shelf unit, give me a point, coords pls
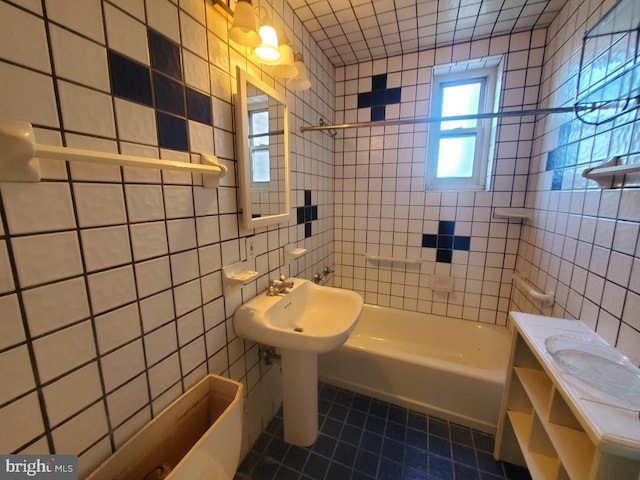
(552, 423)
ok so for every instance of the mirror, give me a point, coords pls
(262, 136)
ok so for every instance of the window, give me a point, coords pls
(458, 150)
(259, 146)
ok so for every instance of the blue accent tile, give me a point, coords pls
(172, 132)
(429, 240)
(461, 243)
(445, 242)
(337, 471)
(446, 227)
(461, 434)
(375, 424)
(371, 441)
(307, 213)
(378, 97)
(571, 155)
(307, 197)
(367, 463)
(199, 107)
(393, 96)
(563, 133)
(379, 82)
(314, 212)
(129, 79)
(286, 473)
(378, 113)
(351, 434)
(463, 472)
(345, 454)
(392, 449)
(364, 100)
(300, 215)
(416, 458)
(316, 466)
(307, 230)
(417, 438)
(379, 408)
(397, 414)
(443, 256)
(356, 418)
(464, 455)
(277, 449)
(556, 182)
(169, 94)
(389, 470)
(325, 445)
(296, 457)
(165, 55)
(483, 441)
(439, 427)
(396, 431)
(440, 468)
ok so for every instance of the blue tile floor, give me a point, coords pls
(362, 438)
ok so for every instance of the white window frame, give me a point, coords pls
(484, 130)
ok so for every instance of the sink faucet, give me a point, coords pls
(278, 286)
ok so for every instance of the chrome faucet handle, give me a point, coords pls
(282, 278)
(327, 271)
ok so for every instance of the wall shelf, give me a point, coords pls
(560, 428)
(19, 154)
(513, 213)
(605, 174)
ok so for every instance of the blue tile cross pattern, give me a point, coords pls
(162, 87)
(379, 97)
(307, 214)
(445, 241)
(362, 438)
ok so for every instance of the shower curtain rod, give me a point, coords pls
(477, 116)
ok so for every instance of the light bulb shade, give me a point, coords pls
(244, 29)
(286, 68)
(267, 52)
(300, 81)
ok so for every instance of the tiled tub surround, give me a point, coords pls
(110, 284)
(383, 209)
(582, 243)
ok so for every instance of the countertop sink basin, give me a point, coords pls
(307, 317)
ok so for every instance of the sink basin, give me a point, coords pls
(301, 322)
(307, 317)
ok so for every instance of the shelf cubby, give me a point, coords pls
(552, 427)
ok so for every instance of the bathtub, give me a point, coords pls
(450, 368)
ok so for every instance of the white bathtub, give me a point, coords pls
(450, 368)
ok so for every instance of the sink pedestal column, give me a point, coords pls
(300, 396)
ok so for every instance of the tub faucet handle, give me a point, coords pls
(327, 271)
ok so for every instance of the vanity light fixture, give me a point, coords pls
(244, 29)
(301, 80)
(286, 67)
(268, 52)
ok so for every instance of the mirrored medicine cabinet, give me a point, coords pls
(262, 136)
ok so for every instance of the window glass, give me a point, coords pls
(455, 157)
(460, 100)
(458, 151)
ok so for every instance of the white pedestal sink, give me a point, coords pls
(301, 322)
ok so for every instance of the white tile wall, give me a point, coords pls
(98, 262)
(381, 205)
(582, 242)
